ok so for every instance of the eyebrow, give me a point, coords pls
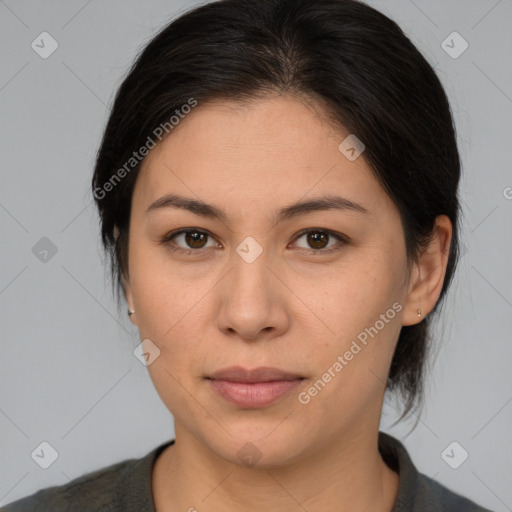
(300, 208)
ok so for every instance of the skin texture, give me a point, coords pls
(286, 309)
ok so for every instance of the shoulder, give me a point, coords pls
(418, 492)
(96, 490)
(122, 486)
(439, 498)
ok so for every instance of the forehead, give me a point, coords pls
(259, 153)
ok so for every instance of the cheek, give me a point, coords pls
(165, 295)
(360, 322)
(351, 297)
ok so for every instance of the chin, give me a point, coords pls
(256, 448)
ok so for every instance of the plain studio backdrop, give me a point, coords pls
(68, 374)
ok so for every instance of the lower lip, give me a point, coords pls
(255, 394)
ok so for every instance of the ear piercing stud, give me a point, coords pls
(130, 312)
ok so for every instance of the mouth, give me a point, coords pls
(251, 389)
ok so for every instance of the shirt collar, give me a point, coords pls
(139, 495)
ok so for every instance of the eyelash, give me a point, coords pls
(343, 240)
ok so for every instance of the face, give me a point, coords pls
(317, 292)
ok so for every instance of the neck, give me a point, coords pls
(348, 474)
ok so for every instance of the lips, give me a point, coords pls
(255, 388)
(261, 374)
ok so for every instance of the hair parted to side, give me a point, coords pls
(344, 54)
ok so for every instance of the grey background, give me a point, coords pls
(68, 375)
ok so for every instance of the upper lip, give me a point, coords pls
(261, 374)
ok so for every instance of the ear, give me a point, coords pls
(427, 275)
(129, 299)
(127, 289)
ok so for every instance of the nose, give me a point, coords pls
(253, 299)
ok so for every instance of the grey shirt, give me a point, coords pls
(126, 487)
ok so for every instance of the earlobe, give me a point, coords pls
(428, 274)
(129, 300)
(127, 290)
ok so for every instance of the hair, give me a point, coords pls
(344, 54)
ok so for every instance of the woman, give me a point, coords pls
(277, 188)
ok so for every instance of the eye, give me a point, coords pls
(194, 239)
(318, 238)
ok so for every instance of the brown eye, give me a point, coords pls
(195, 239)
(317, 241)
(188, 241)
